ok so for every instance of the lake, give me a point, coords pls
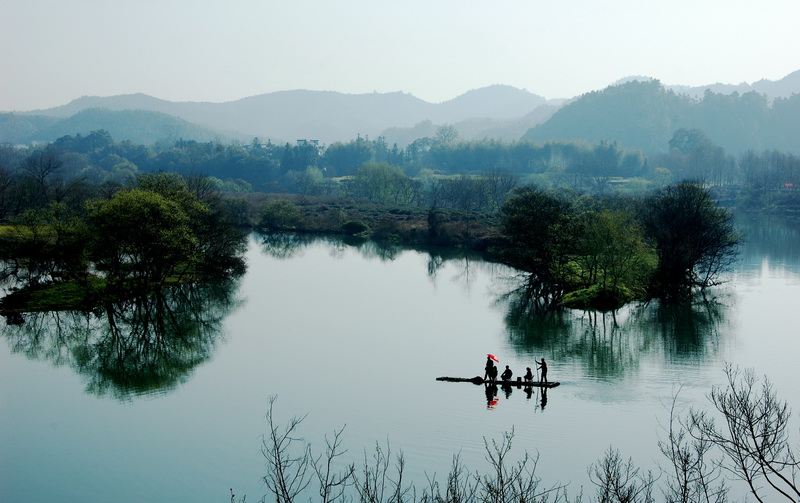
(354, 335)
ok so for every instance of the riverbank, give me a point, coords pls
(411, 225)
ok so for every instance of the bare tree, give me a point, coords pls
(753, 437)
(375, 483)
(516, 482)
(332, 484)
(621, 481)
(691, 477)
(287, 471)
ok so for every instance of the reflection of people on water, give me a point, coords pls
(506, 388)
(506, 375)
(544, 397)
(543, 366)
(528, 374)
(528, 392)
(491, 395)
(489, 368)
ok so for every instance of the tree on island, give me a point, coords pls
(695, 239)
(159, 230)
(590, 253)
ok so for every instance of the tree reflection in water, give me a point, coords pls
(287, 245)
(613, 343)
(142, 345)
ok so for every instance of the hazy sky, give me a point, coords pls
(53, 51)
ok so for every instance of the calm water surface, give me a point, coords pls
(354, 336)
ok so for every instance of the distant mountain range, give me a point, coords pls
(496, 112)
(280, 117)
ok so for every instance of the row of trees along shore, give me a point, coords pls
(438, 170)
(596, 232)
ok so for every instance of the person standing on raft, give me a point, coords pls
(542, 366)
(489, 369)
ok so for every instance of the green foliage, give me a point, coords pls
(587, 252)
(644, 115)
(345, 158)
(45, 245)
(637, 114)
(309, 181)
(612, 255)
(279, 215)
(539, 228)
(140, 235)
(694, 238)
(598, 297)
(70, 295)
(383, 183)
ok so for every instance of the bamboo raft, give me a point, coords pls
(518, 383)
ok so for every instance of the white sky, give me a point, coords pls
(53, 51)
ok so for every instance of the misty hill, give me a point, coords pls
(289, 115)
(631, 113)
(783, 88)
(15, 128)
(645, 115)
(138, 126)
(476, 128)
(496, 102)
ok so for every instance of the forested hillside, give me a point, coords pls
(139, 126)
(645, 115)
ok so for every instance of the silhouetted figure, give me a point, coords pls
(528, 374)
(487, 370)
(506, 375)
(493, 373)
(543, 366)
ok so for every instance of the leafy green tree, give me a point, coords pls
(279, 214)
(446, 134)
(694, 238)
(45, 245)
(539, 232)
(309, 181)
(343, 159)
(384, 183)
(140, 235)
(614, 262)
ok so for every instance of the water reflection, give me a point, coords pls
(532, 393)
(143, 345)
(288, 245)
(612, 344)
(774, 239)
(490, 390)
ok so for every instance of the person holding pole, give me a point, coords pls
(542, 365)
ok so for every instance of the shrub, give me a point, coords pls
(279, 215)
